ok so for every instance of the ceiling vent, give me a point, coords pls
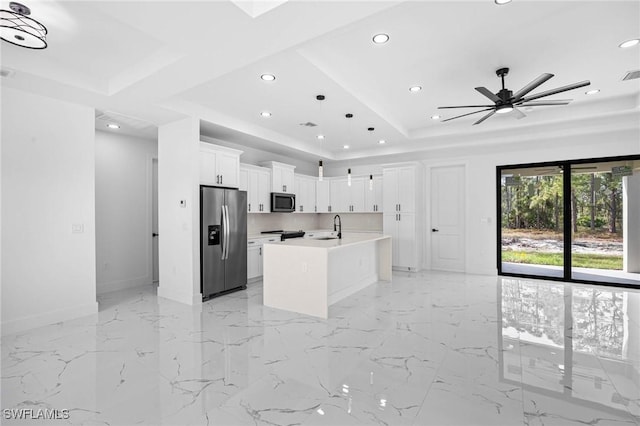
(308, 124)
(631, 75)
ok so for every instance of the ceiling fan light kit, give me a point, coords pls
(506, 101)
(18, 29)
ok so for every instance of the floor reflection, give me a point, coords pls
(576, 342)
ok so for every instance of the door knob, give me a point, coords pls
(434, 230)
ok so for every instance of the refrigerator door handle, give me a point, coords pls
(226, 246)
(224, 231)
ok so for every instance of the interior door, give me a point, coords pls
(447, 218)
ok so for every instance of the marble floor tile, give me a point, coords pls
(430, 348)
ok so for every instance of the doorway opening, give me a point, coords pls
(572, 220)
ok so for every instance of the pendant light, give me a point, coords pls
(370, 182)
(320, 171)
(349, 177)
(17, 28)
(349, 115)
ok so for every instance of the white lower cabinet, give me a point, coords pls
(254, 262)
(402, 228)
(254, 256)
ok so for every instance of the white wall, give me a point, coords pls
(123, 211)
(48, 180)
(179, 227)
(481, 162)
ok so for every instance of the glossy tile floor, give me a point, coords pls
(429, 349)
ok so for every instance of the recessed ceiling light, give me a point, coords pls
(435, 117)
(265, 114)
(502, 1)
(592, 92)
(320, 136)
(346, 147)
(113, 126)
(268, 77)
(415, 88)
(629, 43)
(382, 141)
(380, 38)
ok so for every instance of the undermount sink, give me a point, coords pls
(326, 238)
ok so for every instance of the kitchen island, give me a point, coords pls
(308, 275)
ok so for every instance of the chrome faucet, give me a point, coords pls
(339, 228)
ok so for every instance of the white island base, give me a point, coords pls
(308, 275)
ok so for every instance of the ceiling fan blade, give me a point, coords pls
(532, 104)
(546, 101)
(488, 94)
(518, 114)
(558, 90)
(485, 117)
(464, 115)
(467, 106)
(529, 87)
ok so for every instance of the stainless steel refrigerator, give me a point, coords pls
(223, 241)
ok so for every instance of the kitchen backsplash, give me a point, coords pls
(257, 222)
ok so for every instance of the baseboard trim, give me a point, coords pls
(108, 287)
(48, 318)
(179, 296)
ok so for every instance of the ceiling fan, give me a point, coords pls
(506, 101)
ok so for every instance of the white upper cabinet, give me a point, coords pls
(399, 189)
(282, 177)
(323, 199)
(305, 189)
(258, 185)
(339, 191)
(219, 166)
(373, 194)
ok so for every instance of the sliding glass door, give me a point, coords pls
(532, 221)
(571, 220)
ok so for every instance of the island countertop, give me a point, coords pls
(348, 239)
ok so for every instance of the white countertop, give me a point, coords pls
(348, 239)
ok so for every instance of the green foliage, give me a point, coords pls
(536, 202)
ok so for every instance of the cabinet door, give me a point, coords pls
(228, 167)
(390, 190)
(310, 197)
(252, 193)
(208, 174)
(373, 196)
(356, 195)
(407, 189)
(339, 195)
(322, 196)
(288, 181)
(299, 190)
(407, 241)
(390, 227)
(254, 261)
(264, 191)
(277, 183)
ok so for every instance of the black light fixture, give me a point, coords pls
(370, 182)
(17, 28)
(349, 177)
(320, 171)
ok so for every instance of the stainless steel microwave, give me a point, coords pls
(283, 203)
